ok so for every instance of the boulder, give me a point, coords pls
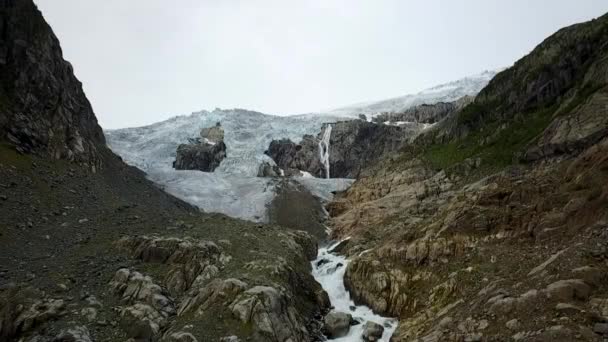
(372, 331)
(337, 324)
(268, 170)
(204, 157)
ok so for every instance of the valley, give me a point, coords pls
(471, 211)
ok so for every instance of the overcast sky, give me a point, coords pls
(142, 61)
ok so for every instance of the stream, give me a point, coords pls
(330, 274)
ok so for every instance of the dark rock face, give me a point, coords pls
(204, 157)
(357, 144)
(425, 113)
(43, 108)
(204, 153)
(353, 145)
(292, 157)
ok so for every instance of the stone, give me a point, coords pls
(372, 331)
(567, 290)
(513, 324)
(568, 308)
(89, 313)
(337, 324)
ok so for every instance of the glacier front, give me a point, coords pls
(234, 188)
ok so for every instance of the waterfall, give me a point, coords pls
(328, 270)
(324, 149)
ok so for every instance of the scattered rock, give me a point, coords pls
(337, 324)
(513, 324)
(372, 331)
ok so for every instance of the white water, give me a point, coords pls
(324, 149)
(331, 278)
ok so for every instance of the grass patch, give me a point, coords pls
(496, 145)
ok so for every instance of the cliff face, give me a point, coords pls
(426, 113)
(353, 145)
(43, 108)
(492, 225)
(108, 256)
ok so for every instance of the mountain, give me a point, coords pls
(90, 250)
(491, 225)
(449, 92)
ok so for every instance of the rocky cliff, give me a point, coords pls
(425, 113)
(108, 256)
(203, 154)
(353, 145)
(43, 108)
(492, 225)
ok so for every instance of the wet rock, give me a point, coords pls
(294, 158)
(372, 331)
(337, 324)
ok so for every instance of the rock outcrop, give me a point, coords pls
(353, 145)
(204, 154)
(43, 108)
(425, 113)
(293, 158)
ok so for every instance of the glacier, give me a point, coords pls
(234, 188)
(448, 92)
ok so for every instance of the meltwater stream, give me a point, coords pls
(328, 270)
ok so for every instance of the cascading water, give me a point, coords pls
(324, 149)
(328, 270)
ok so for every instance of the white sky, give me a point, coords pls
(142, 61)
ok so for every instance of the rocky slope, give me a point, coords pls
(42, 105)
(93, 251)
(492, 225)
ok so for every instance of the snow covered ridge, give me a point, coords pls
(448, 92)
(233, 189)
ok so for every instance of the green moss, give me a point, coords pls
(496, 145)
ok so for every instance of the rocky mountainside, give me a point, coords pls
(492, 225)
(90, 250)
(425, 113)
(352, 146)
(42, 105)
